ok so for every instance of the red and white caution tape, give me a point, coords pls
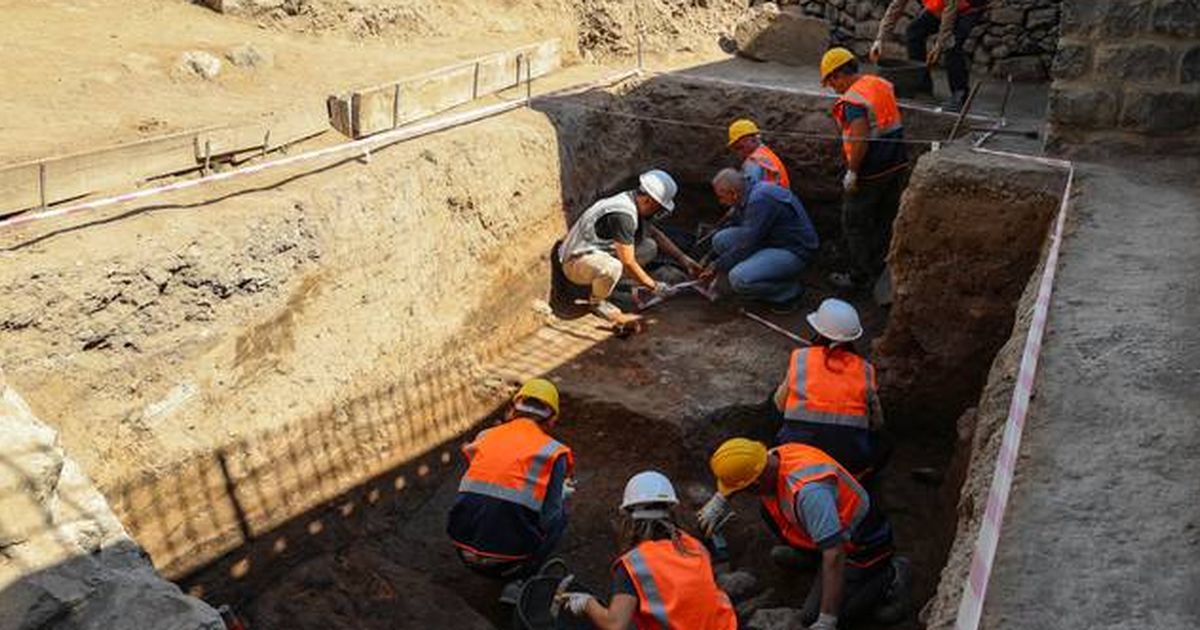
(970, 609)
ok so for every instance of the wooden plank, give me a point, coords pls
(269, 132)
(19, 188)
(374, 109)
(120, 166)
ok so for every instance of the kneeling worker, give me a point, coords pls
(815, 505)
(829, 398)
(600, 246)
(765, 254)
(510, 511)
(665, 579)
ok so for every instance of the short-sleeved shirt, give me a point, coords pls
(882, 156)
(618, 227)
(816, 507)
(622, 582)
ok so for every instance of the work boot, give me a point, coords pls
(511, 592)
(609, 311)
(897, 604)
(793, 559)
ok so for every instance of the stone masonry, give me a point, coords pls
(1016, 37)
(1127, 76)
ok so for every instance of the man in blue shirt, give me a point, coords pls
(774, 240)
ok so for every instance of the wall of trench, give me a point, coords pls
(280, 367)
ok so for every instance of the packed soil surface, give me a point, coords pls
(75, 64)
(1105, 505)
(659, 400)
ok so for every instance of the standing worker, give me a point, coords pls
(765, 255)
(815, 505)
(829, 398)
(602, 244)
(665, 579)
(759, 162)
(946, 18)
(876, 164)
(510, 511)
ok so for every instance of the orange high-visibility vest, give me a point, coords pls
(677, 591)
(800, 464)
(829, 388)
(876, 95)
(772, 166)
(513, 462)
(935, 6)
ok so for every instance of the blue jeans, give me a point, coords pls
(770, 274)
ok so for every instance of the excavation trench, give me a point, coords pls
(402, 340)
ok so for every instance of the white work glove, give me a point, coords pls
(662, 289)
(824, 622)
(568, 488)
(576, 602)
(876, 51)
(714, 514)
(849, 181)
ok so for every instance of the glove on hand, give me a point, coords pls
(568, 488)
(576, 602)
(824, 622)
(876, 51)
(850, 180)
(713, 514)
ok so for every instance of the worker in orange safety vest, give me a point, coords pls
(511, 506)
(876, 164)
(665, 579)
(759, 162)
(814, 505)
(829, 397)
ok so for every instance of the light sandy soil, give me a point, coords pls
(83, 74)
(1104, 523)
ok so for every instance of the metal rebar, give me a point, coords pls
(42, 183)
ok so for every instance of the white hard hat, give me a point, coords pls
(836, 320)
(647, 488)
(660, 186)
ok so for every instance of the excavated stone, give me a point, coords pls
(739, 585)
(250, 56)
(1083, 107)
(775, 619)
(1160, 111)
(66, 560)
(203, 64)
(1190, 67)
(768, 33)
(1072, 61)
(1138, 62)
(1177, 17)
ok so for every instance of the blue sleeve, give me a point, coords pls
(816, 507)
(853, 112)
(552, 507)
(758, 216)
(753, 172)
(622, 583)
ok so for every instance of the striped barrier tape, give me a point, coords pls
(970, 610)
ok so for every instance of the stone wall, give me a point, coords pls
(1016, 37)
(1127, 76)
(65, 560)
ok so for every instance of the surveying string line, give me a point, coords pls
(768, 132)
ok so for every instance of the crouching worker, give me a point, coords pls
(510, 511)
(814, 505)
(829, 399)
(603, 243)
(665, 579)
(765, 254)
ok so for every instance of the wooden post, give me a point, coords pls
(396, 107)
(42, 183)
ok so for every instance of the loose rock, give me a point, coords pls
(249, 56)
(775, 619)
(203, 64)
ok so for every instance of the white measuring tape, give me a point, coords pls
(970, 609)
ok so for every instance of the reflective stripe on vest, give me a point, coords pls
(676, 591)
(819, 394)
(936, 6)
(879, 99)
(513, 462)
(776, 173)
(799, 465)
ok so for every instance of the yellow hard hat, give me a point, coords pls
(737, 463)
(539, 389)
(834, 58)
(741, 128)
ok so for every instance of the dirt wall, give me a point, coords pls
(968, 235)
